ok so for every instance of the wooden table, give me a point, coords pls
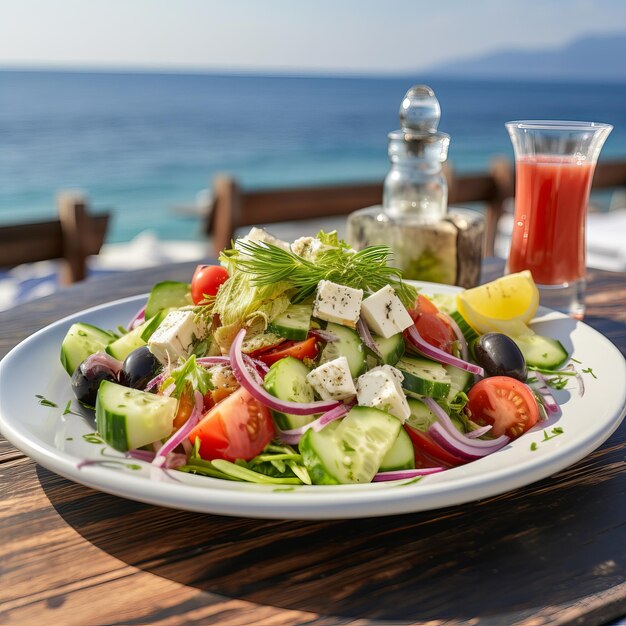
(549, 553)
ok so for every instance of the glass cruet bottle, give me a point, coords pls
(416, 184)
(427, 241)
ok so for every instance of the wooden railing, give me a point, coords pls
(72, 237)
(234, 207)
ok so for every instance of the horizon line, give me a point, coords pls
(270, 72)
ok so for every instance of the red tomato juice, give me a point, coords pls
(549, 227)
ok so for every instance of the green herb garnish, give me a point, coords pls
(366, 269)
(588, 370)
(45, 402)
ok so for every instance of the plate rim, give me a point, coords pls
(355, 503)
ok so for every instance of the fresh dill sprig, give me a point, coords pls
(366, 269)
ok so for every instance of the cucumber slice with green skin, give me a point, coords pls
(150, 325)
(540, 351)
(81, 341)
(294, 323)
(422, 417)
(424, 377)
(460, 380)
(168, 294)
(122, 347)
(129, 418)
(468, 332)
(286, 380)
(349, 450)
(348, 344)
(401, 455)
(391, 349)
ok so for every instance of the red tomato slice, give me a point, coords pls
(206, 281)
(239, 427)
(505, 403)
(306, 349)
(433, 328)
(423, 305)
(428, 451)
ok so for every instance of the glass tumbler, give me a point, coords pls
(554, 165)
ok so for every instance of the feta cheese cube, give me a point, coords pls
(259, 235)
(308, 248)
(336, 303)
(384, 313)
(381, 388)
(174, 337)
(333, 380)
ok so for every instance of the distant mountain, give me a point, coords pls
(601, 57)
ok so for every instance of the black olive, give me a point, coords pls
(139, 367)
(86, 381)
(499, 355)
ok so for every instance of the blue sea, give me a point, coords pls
(141, 144)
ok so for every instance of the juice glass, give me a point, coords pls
(554, 164)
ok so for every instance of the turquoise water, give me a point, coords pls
(141, 144)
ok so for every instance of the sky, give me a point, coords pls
(327, 36)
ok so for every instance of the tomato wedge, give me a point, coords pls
(306, 349)
(505, 403)
(239, 427)
(431, 325)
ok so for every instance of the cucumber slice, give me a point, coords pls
(460, 380)
(540, 351)
(136, 338)
(349, 344)
(349, 450)
(391, 348)
(424, 377)
(421, 416)
(129, 418)
(287, 381)
(81, 341)
(168, 294)
(122, 347)
(293, 323)
(468, 332)
(401, 455)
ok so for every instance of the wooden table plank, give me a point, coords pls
(548, 553)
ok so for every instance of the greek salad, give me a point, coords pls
(312, 363)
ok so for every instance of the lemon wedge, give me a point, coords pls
(505, 305)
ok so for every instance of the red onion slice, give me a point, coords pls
(404, 474)
(141, 455)
(547, 399)
(324, 335)
(579, 379)
(293, 435)
(477, 446)
(100, 362)
(479, 432)
(138, 319)
(366, 336)
(157, 381)
(436, 354)
(161, 460)
(448, 425)
(441, 436)
(247, 381)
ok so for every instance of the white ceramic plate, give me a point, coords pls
(58, 441)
